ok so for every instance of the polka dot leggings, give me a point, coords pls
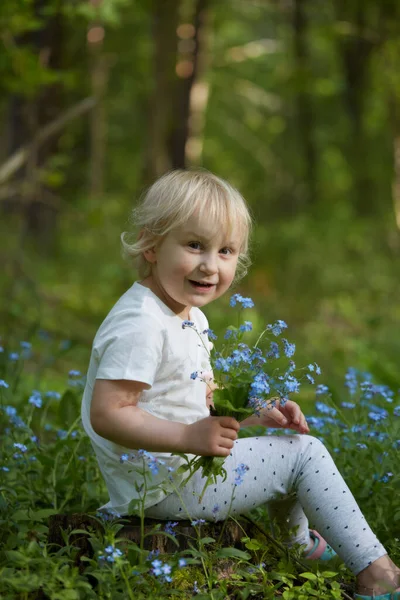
(297, 478)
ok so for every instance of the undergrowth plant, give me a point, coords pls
(47, 467)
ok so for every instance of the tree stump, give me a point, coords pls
(185, 534)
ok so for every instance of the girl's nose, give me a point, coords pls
(208, 264)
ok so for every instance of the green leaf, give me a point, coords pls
(253, 545)
(207, 540)
(44, 513)
(68, 408)
(15, 556)
(91, 489)
(232, 553)
(21, 515)
(224, 406)
(44, 460)
(310, 576)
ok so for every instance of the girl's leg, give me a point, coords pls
(277, 467)
(289, 517)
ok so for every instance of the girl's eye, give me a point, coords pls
(194, 245)
(226, 251)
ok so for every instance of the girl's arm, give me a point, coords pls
(114, 415)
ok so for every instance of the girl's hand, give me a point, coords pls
(210, 393)
(208, 378)
(212, 436)
(288, 416)
(209, 399)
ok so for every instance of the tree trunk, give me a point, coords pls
(305, 119)
(176, 69)
(99, 74)
(98, 126)
(395, 121)
(180, 132)
(355, 50)
(27, 116)
(163, 113)
(185, 534)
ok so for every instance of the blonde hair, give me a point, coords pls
(173, 199)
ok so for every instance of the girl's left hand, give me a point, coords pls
(288, 416)
(208, 378)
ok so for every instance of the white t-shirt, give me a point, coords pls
(141, 339)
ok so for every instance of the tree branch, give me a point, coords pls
(16, 160)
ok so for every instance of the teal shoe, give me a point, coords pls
(321, 549)
(391, 596)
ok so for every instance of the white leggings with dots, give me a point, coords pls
(297, 478)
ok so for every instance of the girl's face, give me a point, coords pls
(193, 265)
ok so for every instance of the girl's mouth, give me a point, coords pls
(201, 286)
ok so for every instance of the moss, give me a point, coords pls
(185, 579)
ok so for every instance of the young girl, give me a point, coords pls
(193, 242)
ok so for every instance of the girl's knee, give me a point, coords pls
(303, 445)
(310, 443)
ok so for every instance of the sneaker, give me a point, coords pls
(321, 549)
(390, 596)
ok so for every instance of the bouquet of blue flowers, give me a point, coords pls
(247, 380)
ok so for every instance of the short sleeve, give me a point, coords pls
(129, 348)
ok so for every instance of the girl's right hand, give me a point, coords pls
(212, 436)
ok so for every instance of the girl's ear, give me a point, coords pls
(150, 255)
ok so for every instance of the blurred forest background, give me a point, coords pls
(296, 102)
